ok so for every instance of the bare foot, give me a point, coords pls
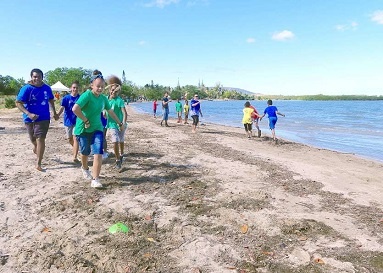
(39, 168)
(75, 160)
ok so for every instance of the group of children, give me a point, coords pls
(179, 110)
(88, 117)
(251, 115)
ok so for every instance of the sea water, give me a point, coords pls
(346, 126)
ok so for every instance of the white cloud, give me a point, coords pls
(142, 43)
(191, 3)
(283, 35)
(350, 26)
(340, 27)
(250, 40)
(377, 17)
(160, 3)
(354, 25)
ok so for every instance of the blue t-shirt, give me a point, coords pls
(36, 101)
(271, 111)
(194, 110)
(68, 102)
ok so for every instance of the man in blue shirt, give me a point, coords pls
(67, 104)
(34, 100)
(195, 111)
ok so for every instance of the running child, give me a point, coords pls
(89, 129)
(272, 113)
(115, 131)
(255, 118)
(246, 120)
(67, 104)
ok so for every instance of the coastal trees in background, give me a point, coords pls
(10, 85)
(68, 75)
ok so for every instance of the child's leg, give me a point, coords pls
(75, 148)
(116, 147)
(122, 147)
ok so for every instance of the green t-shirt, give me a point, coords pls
(178, 106)
(115, 104)
(91, 107)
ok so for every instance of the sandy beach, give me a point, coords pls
(213, 202)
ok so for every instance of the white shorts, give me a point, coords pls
(69, 131)
(116, 135)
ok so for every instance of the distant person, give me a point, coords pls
(186, 111)
(34, 100)
(89, 129)
(272, 113)
(179, 110)
(165, 108)
(155, 104)
(195, 107)
(116, 132)
(67, 104)
(57, 95)
(255, 118)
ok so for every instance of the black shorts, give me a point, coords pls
(37, 129)
(248, 126)
(195, 119)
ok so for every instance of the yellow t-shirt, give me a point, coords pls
(186, 108)
(247, 115)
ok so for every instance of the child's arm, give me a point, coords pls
(124, 115)
(278, 113)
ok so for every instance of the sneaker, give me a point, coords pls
(86, 174)
(105, 155)
(96, 184)
(118, 165)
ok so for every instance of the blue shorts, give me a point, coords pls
(93, 140)
(272, 121)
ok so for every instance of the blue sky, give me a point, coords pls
(290, 47)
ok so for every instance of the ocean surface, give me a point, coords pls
(354, 127)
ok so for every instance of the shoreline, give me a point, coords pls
(266, 132)
(212, 201)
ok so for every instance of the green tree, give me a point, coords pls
(68, 75)
(9, 85)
